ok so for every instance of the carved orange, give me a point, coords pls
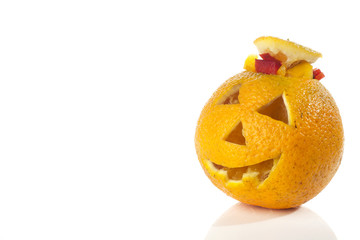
(270, 140)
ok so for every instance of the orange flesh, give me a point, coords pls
(280, 56)
(232, 96)
(232, 99)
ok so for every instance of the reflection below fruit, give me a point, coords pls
(243, 221)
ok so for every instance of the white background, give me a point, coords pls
(99, 102)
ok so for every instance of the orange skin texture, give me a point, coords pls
(310, 146)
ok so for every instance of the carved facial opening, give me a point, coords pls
(260, 170)
(276, 109)
(231, 97)
(236, 135)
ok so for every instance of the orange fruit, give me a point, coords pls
(270, 140)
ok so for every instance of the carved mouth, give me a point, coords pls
(261, 170)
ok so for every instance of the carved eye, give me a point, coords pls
(236, 135)
(231, 97)
(276, 109)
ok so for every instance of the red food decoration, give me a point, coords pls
(317, 74)
(267, 66)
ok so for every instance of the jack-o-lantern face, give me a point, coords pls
(269, 140)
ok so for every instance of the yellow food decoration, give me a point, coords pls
(301, 70)
(249, 64)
